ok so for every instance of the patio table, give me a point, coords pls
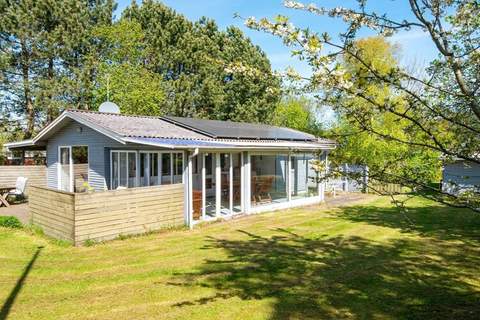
(3, 195)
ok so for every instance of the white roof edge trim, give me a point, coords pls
(95, 127)
(224, 146)
(133, 140)
(23, 143)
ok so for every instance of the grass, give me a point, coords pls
(360, 262)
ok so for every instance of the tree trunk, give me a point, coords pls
(51, 113)
(28, 103)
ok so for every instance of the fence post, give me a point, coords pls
(365, 179)
(346, 178)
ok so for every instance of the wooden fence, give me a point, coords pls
(53, 211)
(37, 175)
(390, 188)
(98, 216)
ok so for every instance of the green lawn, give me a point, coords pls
(360, 262)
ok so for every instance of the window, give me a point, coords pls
(269, 183)
(64, 176)
(303, 176)
(166, 168)
(123, 169)
(154, 168)
(178, 167)
(153, 164)
(132, 168)
(80, 168)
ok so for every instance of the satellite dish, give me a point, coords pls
(109, 107)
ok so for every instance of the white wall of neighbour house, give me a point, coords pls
(460, 176)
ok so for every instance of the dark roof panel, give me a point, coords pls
(239, 130)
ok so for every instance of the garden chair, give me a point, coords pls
(19, 191)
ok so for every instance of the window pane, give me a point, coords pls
(64, 169)
(154, 169)
(166, 166)
(143, 169)
(237, 182)
(178, 167)
(115, 170)
(312, 175)
(303, 176)
(225, 183)
(80, 168)
(132, 169)
(123, 169)
(268, 182)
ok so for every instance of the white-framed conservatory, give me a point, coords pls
(224, 184)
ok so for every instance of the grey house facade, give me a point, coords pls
(226, 168)
(460, 176)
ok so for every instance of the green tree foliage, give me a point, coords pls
(208, 73)
(122, 73)
(298, 113)
(43, 46)
(61, 55)
(387, 159)
(439, 107)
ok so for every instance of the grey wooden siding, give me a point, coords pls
(97, 143)
(460, 176)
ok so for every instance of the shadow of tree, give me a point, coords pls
(18, 286)
(345, 277)
(441, 222)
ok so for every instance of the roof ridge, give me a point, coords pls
(115, 114)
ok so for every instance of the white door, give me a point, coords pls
(65, 182)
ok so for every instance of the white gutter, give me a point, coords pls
(230, 145)
(18, 144)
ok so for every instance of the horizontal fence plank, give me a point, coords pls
(53, 211)
(37, 175)
(131, 230)
(106, 215)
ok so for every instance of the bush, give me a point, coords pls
(10, 222)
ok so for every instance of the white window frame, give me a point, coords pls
(59, 171)
(138, 158)
(59, 176)
(287, 176)
(137, 173)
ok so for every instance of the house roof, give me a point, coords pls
(239, 130)
(176, 132)
(137, 126)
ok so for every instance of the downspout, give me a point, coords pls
(190, 188)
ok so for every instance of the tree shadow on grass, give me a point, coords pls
(7, 305)
(343, 277)
(441, 222)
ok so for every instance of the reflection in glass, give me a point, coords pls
(80, 168)
(268, 179)
(303, 176)
(65, 169)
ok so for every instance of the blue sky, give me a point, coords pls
(415, 47)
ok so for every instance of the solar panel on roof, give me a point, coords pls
(238, 130)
